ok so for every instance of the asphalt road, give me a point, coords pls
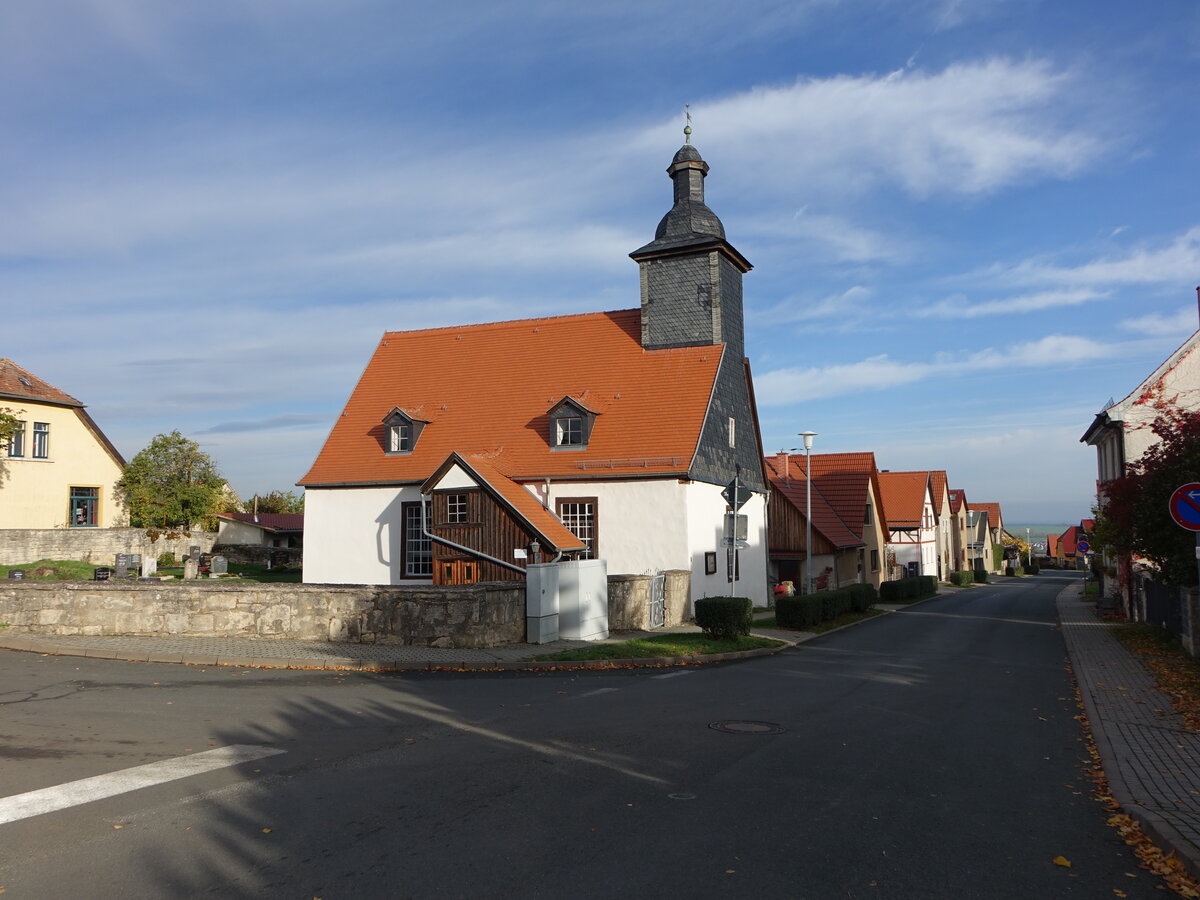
(930, 753)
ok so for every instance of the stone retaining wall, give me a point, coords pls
(258, 555)
(99, 546)
(488, 614)
(476, 615)
(629, 600)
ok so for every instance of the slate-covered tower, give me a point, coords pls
(692, 296)
(691, 276)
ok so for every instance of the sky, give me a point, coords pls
(971, 223)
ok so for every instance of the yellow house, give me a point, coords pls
(59, 470)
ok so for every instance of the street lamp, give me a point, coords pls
(808, 436)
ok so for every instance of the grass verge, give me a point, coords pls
(689, 644)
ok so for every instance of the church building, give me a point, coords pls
(466, 453)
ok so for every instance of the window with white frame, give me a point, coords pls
(456, 509)
(568, 431)
(399, 437)
(579, 515)
(732, 431)
(418, 547)
(41, 440)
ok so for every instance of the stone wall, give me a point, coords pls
(19, 546)
(258, 555)
(488, 614)
(629, 600)
(477, 615)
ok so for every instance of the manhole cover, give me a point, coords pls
(739, 727)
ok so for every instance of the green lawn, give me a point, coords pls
(689, 644)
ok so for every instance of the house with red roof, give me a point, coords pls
(465, 453)
(959, 529)
(848, 526)
(261, 529)
(908, 505)
(988, 525)
(59, 470)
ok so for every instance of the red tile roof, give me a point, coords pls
(1068, 539)
(957, 498)
(519, 500)
(904, 497)
(789, 480)
(488, 389)
(848, 480)
(937, 481)
(995, 520)
(268, 521)
(21, 384)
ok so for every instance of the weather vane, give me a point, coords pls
(687, 128)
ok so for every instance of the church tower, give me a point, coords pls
(691, 275)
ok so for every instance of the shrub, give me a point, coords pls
(962, 578)
(724, 618)
(798, 611)
(166, 560)
(911, 588)
(981, 576)
(1032, 569)
(862, 596)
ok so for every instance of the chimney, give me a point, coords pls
(783, 462)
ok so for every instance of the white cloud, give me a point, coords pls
(1182, 323)
(850, 305)
(961, 307)
(1176, 260)
(881, 372)
(972, 128)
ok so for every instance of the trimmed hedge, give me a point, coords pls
(962, 578)
(724, 618)
(802, 610)
(980, 576)
(1032, 569)
(1011, 571)
(911, 588)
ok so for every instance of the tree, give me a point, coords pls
(276, 502)
(172, 482)
(1133, 517)
(9, 426)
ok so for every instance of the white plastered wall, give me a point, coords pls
(234, 532)
(353, 535)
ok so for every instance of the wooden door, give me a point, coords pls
(458, 571)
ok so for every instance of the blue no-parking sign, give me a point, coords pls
(1185, 506)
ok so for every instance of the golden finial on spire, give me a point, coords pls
(687, 127)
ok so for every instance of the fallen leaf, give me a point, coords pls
(268, 831)
(1120, 893)
(1062, 861)
(118, 827)
(730, 871)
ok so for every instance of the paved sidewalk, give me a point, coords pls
(1151, 760)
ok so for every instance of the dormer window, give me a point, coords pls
(400, 432)
(571, 425)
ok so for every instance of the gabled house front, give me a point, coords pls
(836, 554)
(994, 533)
(959, 529)
(912, 525)
(59, 470)
(466, 453)
(939, 488)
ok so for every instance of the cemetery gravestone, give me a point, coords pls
(219, 565)
(16, 574)
(102, 574)
(191, 568)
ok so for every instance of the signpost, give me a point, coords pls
(1185, 510)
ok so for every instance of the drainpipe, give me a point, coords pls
(433, 537)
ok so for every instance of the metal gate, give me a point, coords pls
(658, 600)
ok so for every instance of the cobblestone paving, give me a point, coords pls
(1152, 760)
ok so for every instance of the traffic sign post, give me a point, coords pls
(1185, 510)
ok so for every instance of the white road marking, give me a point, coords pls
(75, 793)
(674, 674)
(598, 691)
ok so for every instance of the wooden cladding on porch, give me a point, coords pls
(488, 529)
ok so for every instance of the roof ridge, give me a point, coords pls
(503, 322)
